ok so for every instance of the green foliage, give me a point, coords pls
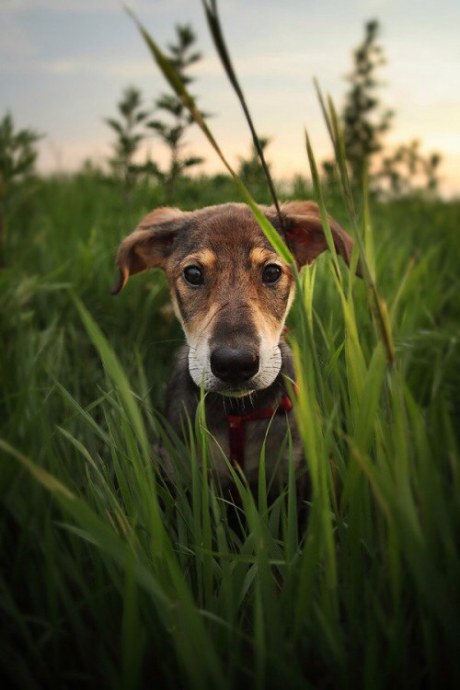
(130, 133)
(17, 161)
(364, 120)
(17, 153)
(135, 124)
(251, 172)
(173, 130)
(406, 169)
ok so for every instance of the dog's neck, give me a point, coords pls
(268, 397)
(236, 422)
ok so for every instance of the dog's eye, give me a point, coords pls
(271, 274)
(193, 275)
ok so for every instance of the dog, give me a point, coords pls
(232, 292)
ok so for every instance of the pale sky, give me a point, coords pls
(64, 64)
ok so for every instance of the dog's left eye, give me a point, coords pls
(271, 274)
(193, 275)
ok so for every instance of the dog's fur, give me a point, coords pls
(233, 317)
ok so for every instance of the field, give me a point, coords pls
(109, 579)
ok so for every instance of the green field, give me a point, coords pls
(109, 579)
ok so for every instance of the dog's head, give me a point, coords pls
(230, 290)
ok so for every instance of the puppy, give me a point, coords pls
(231, 292)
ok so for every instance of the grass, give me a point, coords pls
(112, 578)
(109, 578)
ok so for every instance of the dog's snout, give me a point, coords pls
(234, 365)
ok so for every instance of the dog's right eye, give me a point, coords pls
(271, 274)
(193, 275)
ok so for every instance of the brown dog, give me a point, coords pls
(231, 292)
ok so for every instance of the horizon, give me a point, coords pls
(63, 71)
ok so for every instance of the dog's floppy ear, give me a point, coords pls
(305, 235)
(149, 244)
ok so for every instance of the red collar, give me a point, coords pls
(236, 427)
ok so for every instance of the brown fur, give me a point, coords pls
(233, 311)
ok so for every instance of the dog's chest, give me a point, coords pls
(266, 439)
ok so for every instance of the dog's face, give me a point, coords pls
(230, 290)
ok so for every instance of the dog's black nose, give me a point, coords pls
(234, 365)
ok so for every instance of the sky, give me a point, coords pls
(65, 63)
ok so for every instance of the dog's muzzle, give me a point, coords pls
(234, 366)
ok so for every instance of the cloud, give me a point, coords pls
(105, 67)
(15, 41)
(87, 6)
(266, 65)
(274, 64)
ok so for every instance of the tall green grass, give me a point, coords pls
(112, 577)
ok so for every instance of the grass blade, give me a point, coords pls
(212, 16)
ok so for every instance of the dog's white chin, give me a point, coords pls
(237, 394)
